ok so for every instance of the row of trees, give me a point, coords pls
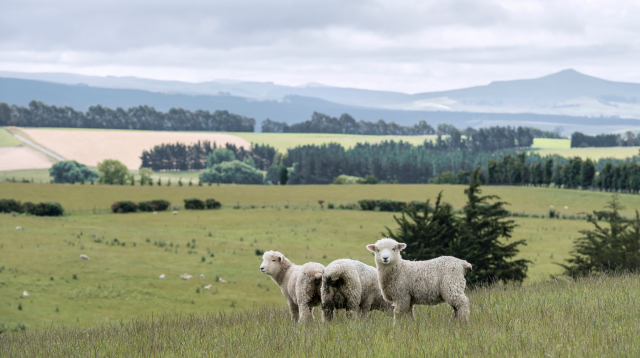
(628, 139)
(184, 157)
(322, 123)
(38, 114)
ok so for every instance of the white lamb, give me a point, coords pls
(155, 213)
(186, 277)
(84, 257)
(202, 276)
(208, 287)
(174, 213)
(18, 227)
(300, 285)
(221, 280)
(351, 285)
(161, 276)
(25, 294)
(408, 283)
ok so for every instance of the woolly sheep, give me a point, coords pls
(162, 276)
(25, 294)
(155, 213)
(408, 283)
(351, 285)
(174, 213)
(186, 277)
(221, 280)
(300, 285)
(84, 257)
(207, 287)
(18, 227)
(202, 276)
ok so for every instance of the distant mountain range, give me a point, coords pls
(567, 99)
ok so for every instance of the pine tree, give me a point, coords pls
(607, 249)
(477, 237)
(481, 234)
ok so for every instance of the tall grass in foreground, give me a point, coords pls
(593, 316)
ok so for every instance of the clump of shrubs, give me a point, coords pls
(131, 207)
(153, 205)
(390, 205)
(122, 207)
(197, 204)
(40, 209)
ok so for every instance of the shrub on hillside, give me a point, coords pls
(112, 171)
(368, 205)
(213, 204)
(220, 155)
(27, 207)
(369, 179)
(124, 207)
(9, 206)
(616, 248)
(232, 172)
(391, 205)
(160, 204)
(418, 205)
(47, 209)
(273, 175)
(194, 204)
(70, 171)
(153, 205)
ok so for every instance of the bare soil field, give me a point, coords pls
(90, 146)
(23, 157)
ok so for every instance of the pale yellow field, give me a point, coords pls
(551, 143)
(593, 153)
(23, 157)
(92, 146)
(284, 141)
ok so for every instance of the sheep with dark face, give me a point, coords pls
(409, 283)
(300, 285)
(351, 285)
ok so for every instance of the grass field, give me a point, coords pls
(35, 175)
(592, 317)
(593, 153)
(522, 199)
(551, 143)
(284, 141)
(7, 139)
(121, 280)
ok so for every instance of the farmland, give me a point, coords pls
(129, 251)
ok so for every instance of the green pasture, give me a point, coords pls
(531, 200)
(593, 153)
(591, 317)
(284, 141)
(551, 143)
(33, 175)
(7, 139)
(120, 281)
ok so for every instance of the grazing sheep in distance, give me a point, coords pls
(174, 213)
(351, 285)
(84, 257)
(408, 283)
(207, 287)
(202, 276)
(161, 276)
(186, 277)
(300, 285)
(18, 227)
(25, 294)
(155, 213)
(221, 280)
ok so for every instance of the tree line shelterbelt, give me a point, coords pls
(38, 114)
(628, 139)
(322, 123)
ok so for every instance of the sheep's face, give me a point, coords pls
(271, 263)
(387, 251)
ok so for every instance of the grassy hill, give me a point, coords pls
(595, 316)
(129, 251)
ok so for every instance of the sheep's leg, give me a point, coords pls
(461, 308)
(401, 308)
(306, 313)
(365, 307)
(293, 308)
(327, 312)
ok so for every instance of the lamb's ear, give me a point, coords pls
(401, 247)
(280, 258)
(371, 247)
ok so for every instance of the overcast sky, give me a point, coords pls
(400, 45)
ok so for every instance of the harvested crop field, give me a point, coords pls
(18, 158)
(92, 146)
